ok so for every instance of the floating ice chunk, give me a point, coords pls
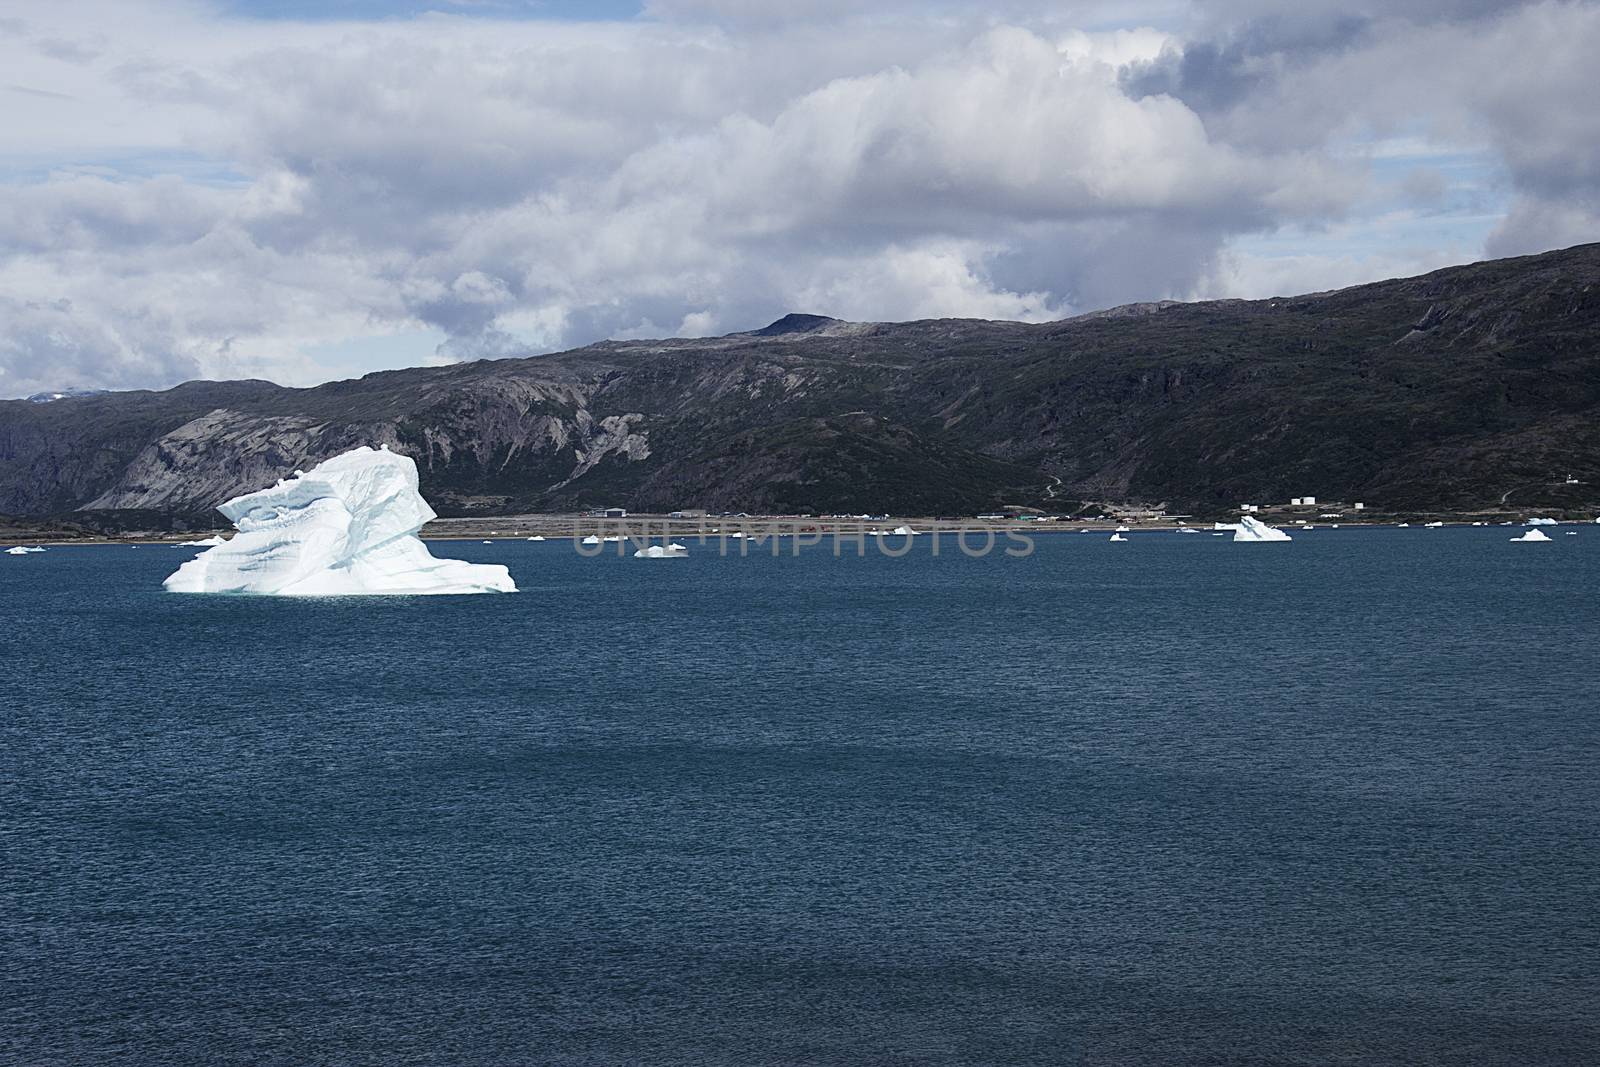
(1188, 530)
(1432, 525)
(1402, 526)
(1572, 533)
(1122, 529)
(672, 551)
(590, 540)
(1542, 522)
(348, 527)
(1532, 535)
(23, 550)
(1118, 537)
(536, 537)
(209, 542)
(898, 531)
(1248, 529)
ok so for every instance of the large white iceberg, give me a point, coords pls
(672, 551)
(23, 550)
(1248, 529)
(1532, 535)
(348, 527)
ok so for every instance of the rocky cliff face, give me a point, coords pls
(1452, 389)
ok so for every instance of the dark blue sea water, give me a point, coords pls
(1177, 801)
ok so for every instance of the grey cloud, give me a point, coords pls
(1538, 225)
(44, 93)
(1212, 75)
(51, 345)
(68, 50)
(86, 213)
(1425, 186)
(1506, 74)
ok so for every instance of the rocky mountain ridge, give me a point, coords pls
(1455, 389)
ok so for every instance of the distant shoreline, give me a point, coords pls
(570, 526)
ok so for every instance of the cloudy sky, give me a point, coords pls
(303, 190)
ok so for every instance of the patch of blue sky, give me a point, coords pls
(1410, 162)
(352, 357)
(123, 166)
(1371, 236)
(1454, 197)
(364, 10)
(1421, 195)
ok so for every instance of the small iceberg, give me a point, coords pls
(1122, 529)
(536, 537)
(1188, 530)
(209, 542)
(898, 531)
(23, 550)
(1253, 530)
(1532, 535)
(672, 551)
(590, 540)
(1118, 537)
(1432, 525)
(1402, 526)
(346, 528)
(1542, 522)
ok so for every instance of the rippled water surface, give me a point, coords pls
(1176, 801)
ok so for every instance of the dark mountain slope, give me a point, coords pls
(1447, 390)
